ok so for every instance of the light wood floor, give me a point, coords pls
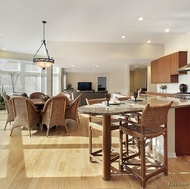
(61, 161)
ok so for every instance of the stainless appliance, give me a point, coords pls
(185, 96)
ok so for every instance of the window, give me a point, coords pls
(24, 76)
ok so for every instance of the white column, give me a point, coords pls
(127, 80)
(50, 81)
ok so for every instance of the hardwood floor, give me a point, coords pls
(61, 161)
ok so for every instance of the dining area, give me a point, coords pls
(40, 110)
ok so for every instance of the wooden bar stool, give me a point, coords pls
(95, 123)
(153, 124)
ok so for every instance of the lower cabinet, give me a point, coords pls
(182, 131)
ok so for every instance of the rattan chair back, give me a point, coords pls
(72, 110)
(67, 94)
(8, 106)
(153, 116)
(95, 101)
(53, 113)
(36, 95)
(25, 113)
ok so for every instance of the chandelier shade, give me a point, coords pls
(44, 62)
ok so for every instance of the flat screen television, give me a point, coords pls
(84, 86)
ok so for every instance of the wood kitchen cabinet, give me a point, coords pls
(163, 70)
(154, 71)
(178, 60)
(182, 131)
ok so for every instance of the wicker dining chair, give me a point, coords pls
(8, 106)
(36, 95)
(153, 124)
(67, 94)
(53, 113)
(25, 113)
(95, 123)
(72, 110)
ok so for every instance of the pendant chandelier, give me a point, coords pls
(43, 62)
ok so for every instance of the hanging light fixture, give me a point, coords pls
(43, 62)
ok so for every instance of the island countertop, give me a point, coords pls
(130, 106)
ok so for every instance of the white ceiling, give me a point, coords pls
(89, 22)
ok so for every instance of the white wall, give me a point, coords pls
(150, 87)
(108, 56)
(117, 81)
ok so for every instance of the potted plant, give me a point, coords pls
(2, 103)
(69, 87)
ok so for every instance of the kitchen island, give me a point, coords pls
(131, 106)
(178, 128)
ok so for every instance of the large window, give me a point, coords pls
(24, 76)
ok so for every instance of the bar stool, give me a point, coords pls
(95, 123)
(153, 124)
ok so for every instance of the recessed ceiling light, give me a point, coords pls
(97, 66)
(93, 69)
(72, 65)
(123, 37)
(148, 41)
(167, 30)
(0, 34)
(140, 19)
(4, 49)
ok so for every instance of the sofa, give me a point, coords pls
(89, 95)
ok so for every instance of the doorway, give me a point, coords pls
(138, 80)
(102, 83)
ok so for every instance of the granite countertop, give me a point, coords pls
(130, 106)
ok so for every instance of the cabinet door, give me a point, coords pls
(154, 71)
(182, 130)
(178, 60)
(163, 70)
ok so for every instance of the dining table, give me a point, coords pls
(38, 102)
(118, 108)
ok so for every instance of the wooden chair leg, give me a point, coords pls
(5, 126)
(121, 149)
(143, 162)
(11, 131)
(90, 143)
(47, 132)
(165, 154)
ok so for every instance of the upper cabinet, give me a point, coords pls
(178, 60)
(164, 69)
(154, 71)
